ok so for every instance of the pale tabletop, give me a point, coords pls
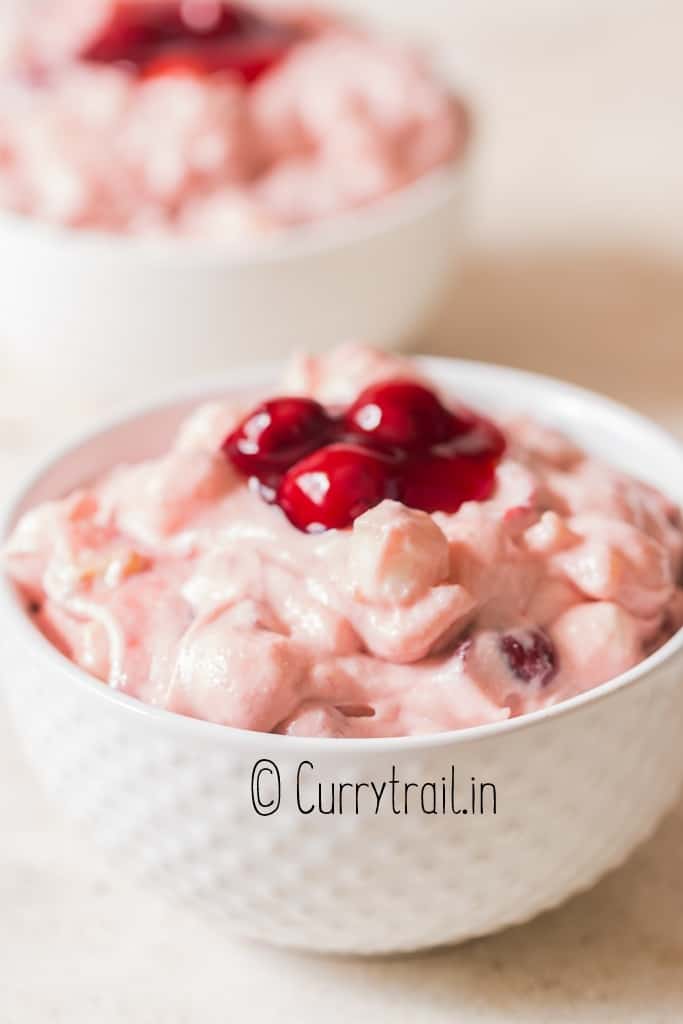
(577, 235)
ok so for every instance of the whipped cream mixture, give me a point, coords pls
(209, 119)
(182, 582)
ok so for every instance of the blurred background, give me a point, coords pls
(576, 222)
(576, 250)
(575, 268)
(576, 254)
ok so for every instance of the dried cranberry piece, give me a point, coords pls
(530, 655)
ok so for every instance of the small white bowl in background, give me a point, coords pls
(579, 785)
(97, 318)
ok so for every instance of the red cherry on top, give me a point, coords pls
(442, 483)
(400, 414)
(335, 485)
(277, 434)
(397, 440)
(199, 37)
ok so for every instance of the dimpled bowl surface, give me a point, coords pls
(578, 785)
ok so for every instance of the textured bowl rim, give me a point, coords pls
(14, 616)
(413, 202)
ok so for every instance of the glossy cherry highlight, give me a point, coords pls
(335, 485)
(401, 414)
(277, 434)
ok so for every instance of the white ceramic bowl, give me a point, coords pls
(106, 315)
(578, 785)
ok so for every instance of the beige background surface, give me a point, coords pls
(577, 234)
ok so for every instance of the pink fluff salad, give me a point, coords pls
(339, 121)
(172, 580)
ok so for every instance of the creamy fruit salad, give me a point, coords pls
(354, 555)
(211, 119)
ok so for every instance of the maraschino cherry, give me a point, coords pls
(275, 435)
(401, 414)
(335, 485)
(397, 440)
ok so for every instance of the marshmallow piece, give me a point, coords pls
(489, 562)
(223, 577)
(85, 641)
(549, 535)
(403, 634)
(396, 555)
(321, 628)
(595, 641)
(207, 427)
(516, 488)
(232, 671)
(156, 498)
(49, 539)
(617, 562)
(337, 377)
